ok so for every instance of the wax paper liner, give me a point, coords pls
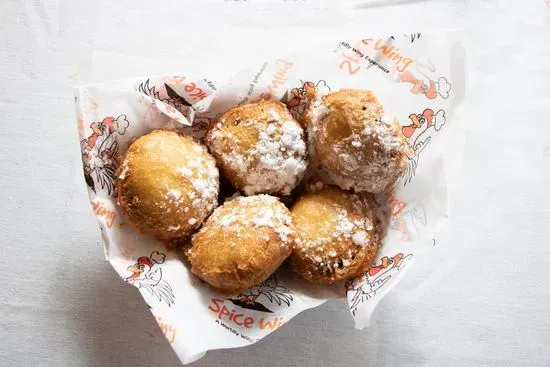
(419, 78)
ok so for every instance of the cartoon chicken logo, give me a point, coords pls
(270, 289)
(100, 156)
(430, 88)
(364, 288)
(409, 221)
(297, 96)
(419, 133)
(147, 274)
(165, 94)
(166, 99)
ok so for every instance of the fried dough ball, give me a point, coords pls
(338, 238)
(355, 142)
(259, 148)
(167, 184)
(242, 243)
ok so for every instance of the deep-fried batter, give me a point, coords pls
(167, 184)
(354, 141)
(338, 238)
(242, 243)
(259, 148)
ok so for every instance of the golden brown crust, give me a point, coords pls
(259, 148)
(355, 142)
(338, 238)
(242, 243)
(167, 184)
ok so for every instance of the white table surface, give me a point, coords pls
(480, 297)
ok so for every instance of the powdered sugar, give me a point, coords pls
(356, 229)
(387, 119)
(197, 148)
(173, 228)
(227, 220)
(124, 171)
(202, 173)
(369, 159)
(276, 162)
(185, 171)
(343, 239)
(318, 111)
(281, 153)
(271, 129)
(366, 131)
(258, 211)
(196, 166)
(175, 194)
(274, 115)
(360, 238)
(264, 217)
(344, 226)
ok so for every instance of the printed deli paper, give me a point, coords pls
(418, 77)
